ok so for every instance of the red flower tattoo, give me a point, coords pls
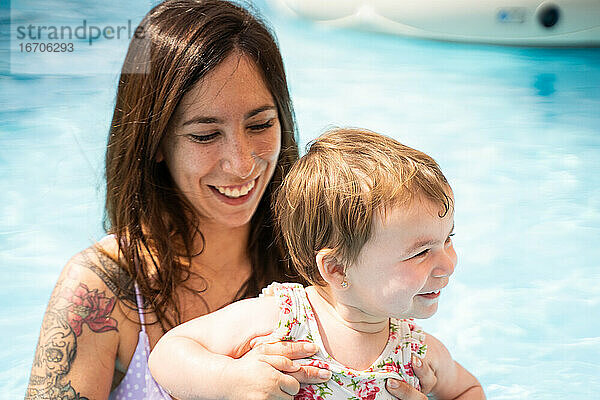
(89, 307)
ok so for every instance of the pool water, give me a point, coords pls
(516, 131)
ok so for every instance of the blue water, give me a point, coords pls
(516, 130)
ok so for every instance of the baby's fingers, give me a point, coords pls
(423, 371)
(308, 374)
(402, 390)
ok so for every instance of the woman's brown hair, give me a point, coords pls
(175, 46)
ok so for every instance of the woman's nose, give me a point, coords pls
(238, 158)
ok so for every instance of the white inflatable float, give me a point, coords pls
(506, 22)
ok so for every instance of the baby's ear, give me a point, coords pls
(332, 271)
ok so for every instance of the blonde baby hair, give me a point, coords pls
(332, 194)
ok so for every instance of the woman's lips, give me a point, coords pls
(237, 190)
(232, 195)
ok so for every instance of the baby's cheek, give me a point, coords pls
(396, 291)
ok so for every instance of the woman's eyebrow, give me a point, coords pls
(214, 120)
(202, 120)
(258, 110)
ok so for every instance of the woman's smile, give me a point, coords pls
(235, 195)
(236, 191)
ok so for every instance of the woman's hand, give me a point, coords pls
(293, 351)
(268, 371)
(404, 391)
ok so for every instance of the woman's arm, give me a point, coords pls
(77, 347)
(211, 357)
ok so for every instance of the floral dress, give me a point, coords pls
(297, 322)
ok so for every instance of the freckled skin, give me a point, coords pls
(232, 151)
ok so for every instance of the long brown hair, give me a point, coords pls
(175, 46)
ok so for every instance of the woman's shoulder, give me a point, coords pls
(98, 268)
(86, 314)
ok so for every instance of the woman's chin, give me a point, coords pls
(228, 216)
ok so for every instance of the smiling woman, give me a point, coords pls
(202, 133)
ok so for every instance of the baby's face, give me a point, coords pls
(405, 264)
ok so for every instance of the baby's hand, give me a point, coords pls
(425, 373)
(404, 391)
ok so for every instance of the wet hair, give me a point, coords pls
(177, 43)
(346, 179)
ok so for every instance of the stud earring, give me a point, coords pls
(344, 283)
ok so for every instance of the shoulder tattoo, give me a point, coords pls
(72, 307)
(111, 273)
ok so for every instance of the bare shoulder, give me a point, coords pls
(453, 380)
(437, 354)
(79, 336)
(99, 261)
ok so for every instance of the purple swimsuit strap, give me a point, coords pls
(140, 306)
(138, 296)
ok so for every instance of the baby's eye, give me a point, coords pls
(449, 239)
(421, 254)
(203, 138)
(261, 127)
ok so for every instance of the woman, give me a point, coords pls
(202, 133)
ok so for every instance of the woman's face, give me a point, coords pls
(223, 142)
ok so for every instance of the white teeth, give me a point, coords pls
(236, 192)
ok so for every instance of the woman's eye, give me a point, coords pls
(261, 127)
(203, 138)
